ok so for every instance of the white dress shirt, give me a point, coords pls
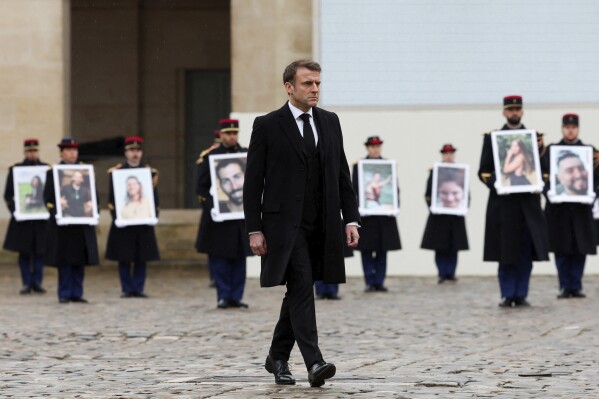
(300, 123)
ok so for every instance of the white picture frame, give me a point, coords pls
(28, 186)
(450, 189)
(75, 206)
(227, 174)
(378, 187)
(564, 162)
(134, 204)
(596, 209)
(516, 149)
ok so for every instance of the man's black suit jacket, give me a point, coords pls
(274, 187)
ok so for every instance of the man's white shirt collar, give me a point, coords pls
(298, 112)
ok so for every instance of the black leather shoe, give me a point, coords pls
(238, 304)
(139, 295)
(452, 279)
(441, 280)
(319, 372)
(321, 296)
(370, 288)
(79, 300)
(126, 295)
(380, 288)
(280, 368)
(25, 290)
(223, 304)
(63, 300)
(577, 294)
(506, 303)
(334, 297)
(564, 294)
(38, 289)
(521, 303)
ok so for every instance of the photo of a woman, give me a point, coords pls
(137, 205)
(518, 164)
(35, 199)
(450, 188)
(374, 189)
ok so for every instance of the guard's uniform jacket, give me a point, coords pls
(27, 236)
(445, 233)
(508, 215)
(69, 245)
(227, 239)
(571, 227)
(377, 233)
(131, 243)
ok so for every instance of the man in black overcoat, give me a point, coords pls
(515, 230)
(225, 242)
(572, 233)
(68, 247)
(378, 234)
(296, 184)
(27, 237)
(445, 234)
(132, 246)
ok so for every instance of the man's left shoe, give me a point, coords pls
(139, 295)
(280, 369)
(238, 304)
(564, 294)
(319, 372)
(25, 290)
(380, 288)
(223, 304)
(577, 294)
(521, 302)
(79, 300)
(334, 297)
(38, 289)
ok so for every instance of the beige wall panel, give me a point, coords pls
(34, 60)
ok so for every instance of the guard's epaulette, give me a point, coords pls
(486, 133)
(115, 167)
(204, 153)
(155, 174)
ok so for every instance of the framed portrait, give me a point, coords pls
(227, 173)
(571, 174)
(75, 190)
(378, 190)
(134, 197)
(517, 165)
(28, 185)
(450, 188)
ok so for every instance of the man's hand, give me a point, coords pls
(258, 244)
(352, 236)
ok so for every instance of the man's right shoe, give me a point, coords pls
(223, 304)
(280, 369)
(564, 294)
(506, 303)
(25, 290)
(63, 300)
(38, 289)
(319, 372)
(370, 288)
(577, 294)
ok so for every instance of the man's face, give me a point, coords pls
(69, 155)
(31, 155)
(513, 115)
(448, 157)
(570, 132)
(77, 178)
(229, 139)
(573, 176)
(133, 156)
(305, 90)
(374, 151)
(451, 194)
(231, 179)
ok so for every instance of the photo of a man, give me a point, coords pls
(231, 175)
(572, 176)
(75, 196)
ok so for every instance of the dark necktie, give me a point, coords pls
(309, 142)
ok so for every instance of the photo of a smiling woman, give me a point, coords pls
(137, 205)
(450, 188)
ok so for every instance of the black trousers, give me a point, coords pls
(297, 321)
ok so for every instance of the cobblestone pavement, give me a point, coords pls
(420, 340)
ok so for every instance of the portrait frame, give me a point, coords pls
(556, 193)
(509, 183)
(444, 172)
(125, 212)
(221, 201)
(596, 209)
(23, 177)
(370, 203)
(62, 179)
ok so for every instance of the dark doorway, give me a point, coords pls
(207, 100)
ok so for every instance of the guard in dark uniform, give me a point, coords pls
(132, 246)
(200, 159)
(515, 230)
(378, 234)
(27, 237)
(444, 234)
(68, 247)
(226, 242)
(572, 233)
